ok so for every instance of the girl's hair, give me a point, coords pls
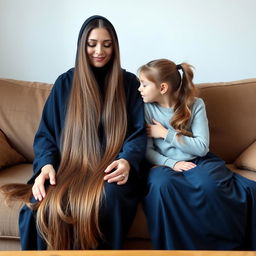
(182, 88)
(68, 217)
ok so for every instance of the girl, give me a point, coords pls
(88, 147)
(193, 201)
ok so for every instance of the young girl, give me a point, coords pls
(193, 201)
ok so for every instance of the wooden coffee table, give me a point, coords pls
(127, 253)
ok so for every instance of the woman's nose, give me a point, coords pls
(98, 49)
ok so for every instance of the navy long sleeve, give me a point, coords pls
(48, 137)
(134, 147)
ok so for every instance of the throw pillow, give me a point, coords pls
(8, 156)
(247, 160)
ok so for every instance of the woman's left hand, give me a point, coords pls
(120, 172)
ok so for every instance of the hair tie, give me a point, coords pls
(179, 67)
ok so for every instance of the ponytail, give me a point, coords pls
(185, 98)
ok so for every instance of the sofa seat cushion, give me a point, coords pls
(247, 160)
(8, 155)
(245, 173)
(9, 215)
(139, 227)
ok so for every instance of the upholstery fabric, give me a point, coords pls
(20, 112)
(247, 160)
(9, 215)
(8, 155)
(230, 109)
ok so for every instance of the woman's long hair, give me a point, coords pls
(183, 90)
(68, 217)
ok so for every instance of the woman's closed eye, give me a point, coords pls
(108, 45)
(92, 45)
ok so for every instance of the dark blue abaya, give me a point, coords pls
(206, 208)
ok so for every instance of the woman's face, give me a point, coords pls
(99, 47)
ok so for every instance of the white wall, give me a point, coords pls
(38, 37)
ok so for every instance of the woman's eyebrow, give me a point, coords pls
(95, 40)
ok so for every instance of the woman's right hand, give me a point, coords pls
(47, 173)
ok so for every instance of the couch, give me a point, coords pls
(232, 121)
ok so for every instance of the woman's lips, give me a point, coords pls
(99, 59)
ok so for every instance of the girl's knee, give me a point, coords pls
(162, 177)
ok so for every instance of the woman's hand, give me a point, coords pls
(120, 172)
(183, 166)
(47, 173)
(156, 130)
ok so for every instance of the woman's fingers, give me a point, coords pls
(120, 179)
(47, 173)
(120, 172)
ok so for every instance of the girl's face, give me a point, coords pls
(99, 47)
(149, 91)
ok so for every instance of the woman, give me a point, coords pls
(88, 148)
(193, 201)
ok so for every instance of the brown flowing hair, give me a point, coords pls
(183, 90)
(68, 217)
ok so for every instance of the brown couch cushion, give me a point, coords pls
(9, 215)
(21, 107)
(231, 112)
(8, 155)
(247, 160)
(245, 173)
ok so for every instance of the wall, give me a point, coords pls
(38, 37)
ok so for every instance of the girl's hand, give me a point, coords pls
(183, 166)
(120, 172)
(47, 173)
(156, 130)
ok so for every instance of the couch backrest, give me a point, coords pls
(231, 111)
(21, 105)
(230, 108)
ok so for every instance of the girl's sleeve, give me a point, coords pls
(199, 143)
(134, 146)
(156, 158)
(47, 139)
(152, 155)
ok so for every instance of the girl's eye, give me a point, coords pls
(107, 45)
(91, 45)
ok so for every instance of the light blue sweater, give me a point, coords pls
(170, 150)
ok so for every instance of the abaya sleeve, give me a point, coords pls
(134, 146)
(47, 139)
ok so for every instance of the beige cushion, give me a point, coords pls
(245, 173)
(139, 227)
(8, 155)
(247, 160)
(19, 173)
(21, 106)
(231, 112)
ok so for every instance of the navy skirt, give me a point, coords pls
(206, 208)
